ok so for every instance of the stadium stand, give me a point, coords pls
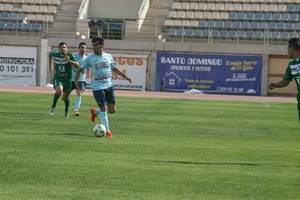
(220, 19)
(27, 15)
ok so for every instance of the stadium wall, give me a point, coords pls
(151, 48)
(277, 67)
(114, 9)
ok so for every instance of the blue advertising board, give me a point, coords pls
(210, 73)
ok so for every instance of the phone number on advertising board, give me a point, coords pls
(16, 69)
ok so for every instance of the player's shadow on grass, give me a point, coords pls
(77, 135)
(55, 134)
(222, 163)
(204, 163)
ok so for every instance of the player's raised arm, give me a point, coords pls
(72, 62)
(118, 72)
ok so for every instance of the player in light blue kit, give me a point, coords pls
(102, 65)
(79, 77)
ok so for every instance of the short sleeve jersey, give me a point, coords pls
(78, 58)
(63, 69)
(293, 72)
(101, 67)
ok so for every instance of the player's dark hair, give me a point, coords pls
(98, 40)
(294, 43)
(81, 44)
(62, 43)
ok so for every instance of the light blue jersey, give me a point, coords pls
(101, 70)
(79, 59)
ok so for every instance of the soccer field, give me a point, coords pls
(162, 150)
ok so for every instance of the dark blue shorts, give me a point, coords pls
(81, 85)
(106, 96)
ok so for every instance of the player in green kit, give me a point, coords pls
(61, 71)
(293, 69)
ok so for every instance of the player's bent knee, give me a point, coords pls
(102, 108)
(58, 92)
(112, 111)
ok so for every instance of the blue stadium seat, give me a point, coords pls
(10, 26)
(236, 24)
(26, 27)
(267, 16)
(2, 25)
(297, 26)
(210, 24)
(215, 33)
(272, 26)
(232, 15)
(203, 24)
(250, 16)
(280, 26)
(205, 33)
(285, 35)
(180, 32)
(249, 34)
(4, 16)
(223, 34)
(36, 27)
(276, 35)
(245, 25)
(294, 34)
(171, 32)
(232, 34)
(262, 25)
(291, 8)
(242, 34)
(285, 17)
(227, 24)
(219, 24)
(198, 33)
(289, 26)
(241, 16)
(294, 17)
(297, 8)
(276, 16)
(19, 26)
(189, 32)
(13, 16)
(258, 35)
(254, 25)
(258, 16)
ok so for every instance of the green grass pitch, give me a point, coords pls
(162, 150)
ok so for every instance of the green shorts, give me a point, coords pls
(65, 84)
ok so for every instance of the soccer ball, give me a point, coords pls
(99, 130)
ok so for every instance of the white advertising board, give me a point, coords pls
(18, 65)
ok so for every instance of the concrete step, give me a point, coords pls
(66, 20)
(70, 2)
(155, 18)
(70, 15)
(64, 25)
(69, 6)
(63, 30)
(62, 34)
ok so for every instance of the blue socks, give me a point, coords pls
(77, 103)
(103, 118)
